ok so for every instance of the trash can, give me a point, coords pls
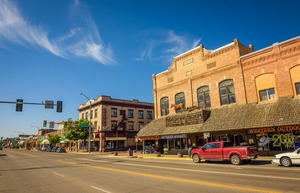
(130, 152)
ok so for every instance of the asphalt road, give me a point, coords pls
(32, 171)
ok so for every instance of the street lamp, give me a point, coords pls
(90, 121)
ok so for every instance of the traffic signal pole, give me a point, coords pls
(59, 104)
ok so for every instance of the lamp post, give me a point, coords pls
(89, 148)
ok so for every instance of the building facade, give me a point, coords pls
(115, 123)
(232, 93)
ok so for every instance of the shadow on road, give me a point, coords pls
(3, 155)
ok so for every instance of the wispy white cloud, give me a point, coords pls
(15, 29)
(83, 41)
(165, 44)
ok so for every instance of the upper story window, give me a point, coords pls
(265, 85)
(295, 75)
(114, 112)
(227, 94)
(179, 98)
(82, 116)
(96, 124)
(96, 113)
(114, 125)
(149, 114)
(141, 125)
(267, 94)
(130, 125)
(297, 88)
(164, 106)
(91, 114)
(141, 114)
(203, 97)
(130, 113)
(86, 115)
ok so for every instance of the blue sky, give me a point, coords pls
(54, 50)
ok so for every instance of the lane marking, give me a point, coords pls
(100, 189)
(24, 154)
(12, 156)
(204, 171)
(171, 178)
(58, 174)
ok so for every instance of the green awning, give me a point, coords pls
(64, 140)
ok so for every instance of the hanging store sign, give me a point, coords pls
(274, 129)
(173, 136)
(115, 138)
(104, 117)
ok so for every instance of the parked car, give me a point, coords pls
(224, 150)
(148, 149)
(43, 149)
(61, 150)
(54, 149)
(40, 148)
(287, 159)
(48, 149)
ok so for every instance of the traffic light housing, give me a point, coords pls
(66, 124)
(19, 107)
(59, 106)
(45, 123)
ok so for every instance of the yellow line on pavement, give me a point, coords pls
(171, 178)
(23, 153)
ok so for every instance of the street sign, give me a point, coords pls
(51, 124)
(49, 104)
(85, 125)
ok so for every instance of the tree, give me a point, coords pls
(76, 133)
(54, 139)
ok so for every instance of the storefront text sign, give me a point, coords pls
(173, 136)
(104, 117)
(150, 138)
(274, 129)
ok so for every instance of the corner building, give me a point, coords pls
(115, 122)
(227, 94)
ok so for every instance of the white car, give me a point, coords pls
(287, 159)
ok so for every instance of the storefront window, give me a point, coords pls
(278, 141)
(297, 87)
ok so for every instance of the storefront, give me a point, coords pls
(283, 138)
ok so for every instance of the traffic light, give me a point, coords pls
(19, 106)
(59, 106)
(45, 123)
(66, 124)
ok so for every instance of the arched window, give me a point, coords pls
(179, 98)
(295, 75)
(203, 97)
(164, 106)
(265, 85)
(227, 95)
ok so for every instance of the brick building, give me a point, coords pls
(115, 122)
(227, 94)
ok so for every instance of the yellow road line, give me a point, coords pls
(23, 153)
(171, 178)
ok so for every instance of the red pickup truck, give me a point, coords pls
(224, 150)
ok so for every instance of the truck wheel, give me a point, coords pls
(196, 158)
(285, 161)
(235, 159)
